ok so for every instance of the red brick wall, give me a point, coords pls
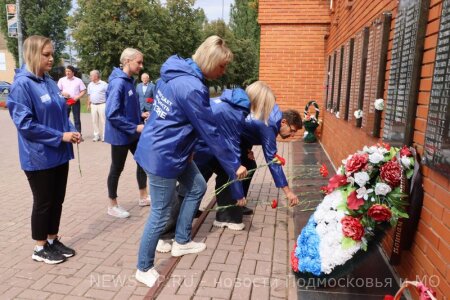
(292, 49)
(293, 63)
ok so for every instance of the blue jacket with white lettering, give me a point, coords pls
(181, 114)
(122, 111)
(39, 112)
(256, 132)
(230, 110)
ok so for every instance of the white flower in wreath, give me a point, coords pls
(376, 157)
(379, 104)
(361, 178)
(382, 188)
(363, 193)
(358, 114)
(406, 162)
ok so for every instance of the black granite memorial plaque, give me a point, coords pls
(330, 85)
(375, 74)
(358, 74)
(437, 136)
(347, 50)
(404, 77)
(337, 81)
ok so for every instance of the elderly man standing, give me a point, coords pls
(73, 87)
(96, 102)
(145, 91)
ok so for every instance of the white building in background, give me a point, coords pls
(7, 61)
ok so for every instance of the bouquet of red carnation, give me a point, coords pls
(70, 101)
(149, 100)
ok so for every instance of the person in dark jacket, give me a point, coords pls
(123, 127)
(181, 114)
(145, 91)
(256, 132)
(45, 135)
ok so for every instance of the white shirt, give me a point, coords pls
(144, 87)
(97, 92)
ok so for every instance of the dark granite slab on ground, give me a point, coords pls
(356, 281)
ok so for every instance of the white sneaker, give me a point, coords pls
(163, 246)
(148, 278)
(118, 212)
(188, 248)
(232, 226)
(145, 202)
(96, 138)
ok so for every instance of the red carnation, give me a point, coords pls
(352, 228)
(274, 203)
(279, 160)
(336, 181)
(388, 297)
(70, 101)
(405, 151)
(149, 100)
(354, 202)
(325, 190)
(294, 259)
(391, 173)
(356, 163)
(323, 170)
(379, 212)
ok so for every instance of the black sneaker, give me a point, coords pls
(61, 248)
(247, 211)
(48, 255)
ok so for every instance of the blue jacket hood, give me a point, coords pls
(176, 66)
(118, 73)
(237, 97)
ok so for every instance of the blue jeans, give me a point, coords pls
(162, 192)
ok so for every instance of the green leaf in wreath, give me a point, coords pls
(399, 213)
(409, 173)
(347, 243)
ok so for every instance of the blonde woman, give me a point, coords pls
(181, 114)
(123, 127)
(264, 133)
(46, 135)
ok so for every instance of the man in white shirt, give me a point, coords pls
(96, 103)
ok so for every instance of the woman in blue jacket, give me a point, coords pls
(256, 132)
(123, 127)
(45, 135)
(181, 114)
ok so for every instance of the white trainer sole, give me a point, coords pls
(231, 226)
(50, 262)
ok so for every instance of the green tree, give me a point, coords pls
(102, 29)
(245, 27)
(39, 17)
(185, 30)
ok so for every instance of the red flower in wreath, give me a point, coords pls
(279, 160)
(294, 259)
(391, 173)
(356, 163)
(70, 101)
(379, 212)
(274, 203)
(149, 100)
(352, 228)
(336, 181)
(354, 202)
(405, 151)
(323, 170)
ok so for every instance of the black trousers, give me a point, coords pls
(49, 189)
(118, 158)
(76, 110)
(249, 164)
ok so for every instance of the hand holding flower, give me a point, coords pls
(241, 172)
